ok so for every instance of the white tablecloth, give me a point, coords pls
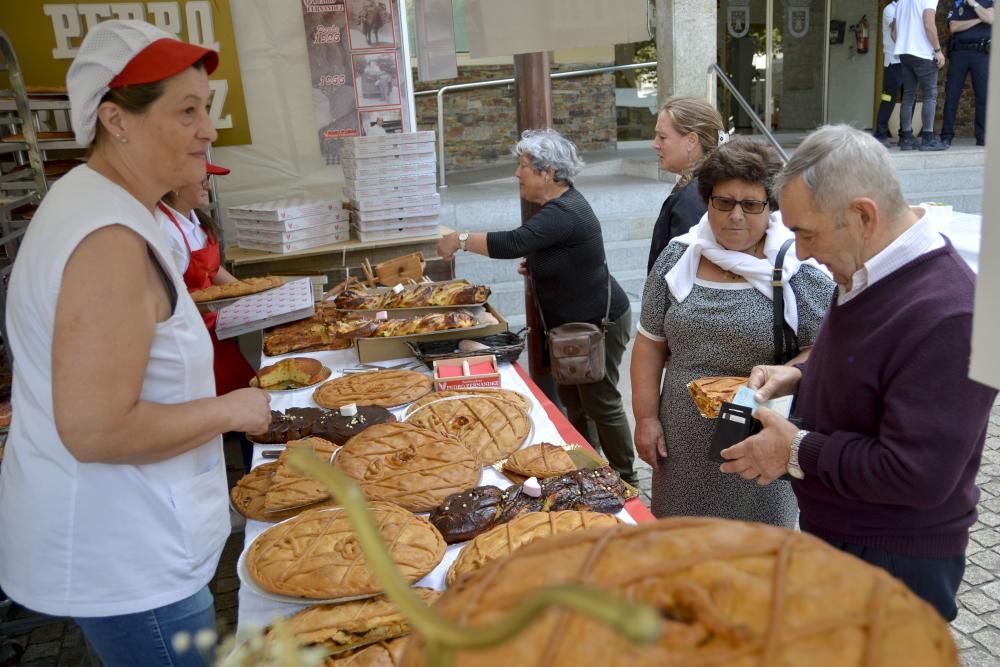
(258, 610)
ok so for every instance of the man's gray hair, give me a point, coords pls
(838, 164)
(547, 149)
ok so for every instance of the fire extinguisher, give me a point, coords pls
(861, 34)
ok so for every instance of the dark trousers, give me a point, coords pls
(892, 80)
(922, 74)
(962, 63)
(936, 580)
(602, 404)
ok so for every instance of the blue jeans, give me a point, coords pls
(145, 638)
(921, 73)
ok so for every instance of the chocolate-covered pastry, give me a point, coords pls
(595, 489)
(516, 503)
(296, 423)
(464, 515)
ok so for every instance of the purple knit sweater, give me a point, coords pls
(897, 425)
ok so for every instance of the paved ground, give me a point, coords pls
(976, 630)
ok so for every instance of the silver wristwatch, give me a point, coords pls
(462, 238)
(793, 456)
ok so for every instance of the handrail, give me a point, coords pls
(716, 73)
(503, 82)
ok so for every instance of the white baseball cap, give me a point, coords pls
(115, 54)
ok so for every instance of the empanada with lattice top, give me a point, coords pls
(290, 488)
(728, 593)
(383, 654)
(541, 460)
(316, 554)
(248, 495)
(389, 388)
(494, 427)
(506, 394)
(352, 625)
(501, 540)
(414, 467)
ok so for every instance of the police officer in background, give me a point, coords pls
(971, 25)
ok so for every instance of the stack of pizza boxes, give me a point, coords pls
(390, 183)
(289, 225)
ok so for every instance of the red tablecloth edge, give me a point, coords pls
(633, 506)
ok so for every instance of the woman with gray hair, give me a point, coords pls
(564, 256)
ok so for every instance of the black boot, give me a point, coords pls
(931, 143)
(906, 141)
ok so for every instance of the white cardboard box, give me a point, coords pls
(389, 166)
(284, 209)
(253, 234)
(288, 303)
(377, 190)
(395, 232)
(364, 143)
(381, 203)
(388, 149)
(294, 246)
(359, 217)
(396, 223)
(376, 181)
(292, 224)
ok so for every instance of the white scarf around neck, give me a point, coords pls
(701, 241)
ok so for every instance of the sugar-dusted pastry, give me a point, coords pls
(316, 554)
(383, 654)
(290, 488)
(728, 593)
(300, 370)
(295, 423)
(464, 515)
(352, 625)
(389, 388)
(541, 460)
(501, 540)
(505, 394)
(247, 496)
(710, 392)
(235, 289)
(494, 427)
(414, 467)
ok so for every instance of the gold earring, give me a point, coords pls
(122, 138)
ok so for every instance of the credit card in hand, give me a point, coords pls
(782, 404)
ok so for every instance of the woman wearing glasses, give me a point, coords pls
(707, 311)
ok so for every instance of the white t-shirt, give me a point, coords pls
(196, 236)
(375, 131)
(888, 44)
(98, 539)
(911, 36)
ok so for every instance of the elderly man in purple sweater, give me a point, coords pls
(892, 427)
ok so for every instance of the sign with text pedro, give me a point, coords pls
(47, 35)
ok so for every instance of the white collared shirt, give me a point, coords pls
(919, 239)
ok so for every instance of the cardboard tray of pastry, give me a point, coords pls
(359, 298)
(545, 460)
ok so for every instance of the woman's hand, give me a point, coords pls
(649, 441)
(448, 245)
(772, 381)
(522, 268)
(250, 409)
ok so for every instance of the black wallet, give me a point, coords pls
(734, 424)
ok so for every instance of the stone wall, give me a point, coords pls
(481, 125)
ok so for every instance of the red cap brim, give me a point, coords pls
(215, 170)
(161, 60)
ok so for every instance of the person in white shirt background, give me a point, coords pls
(376, 130)
(919, 51)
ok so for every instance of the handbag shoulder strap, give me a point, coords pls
(781, 346)
(607, 311)
(606, 322)
(534, 296)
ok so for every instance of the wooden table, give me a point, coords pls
(338, 260)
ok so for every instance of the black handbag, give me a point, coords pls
(786, 343)
(576, 349)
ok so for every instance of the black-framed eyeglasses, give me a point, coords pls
(728, 203)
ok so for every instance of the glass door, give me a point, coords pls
(775, 52)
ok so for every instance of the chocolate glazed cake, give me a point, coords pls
(296, 423)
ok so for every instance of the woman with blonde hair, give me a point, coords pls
(687, 130)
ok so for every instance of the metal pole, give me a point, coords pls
(533, 96)
(440, 109)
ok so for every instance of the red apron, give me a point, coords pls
(231, 368)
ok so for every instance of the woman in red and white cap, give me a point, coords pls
(193, 237)
(113, 497)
